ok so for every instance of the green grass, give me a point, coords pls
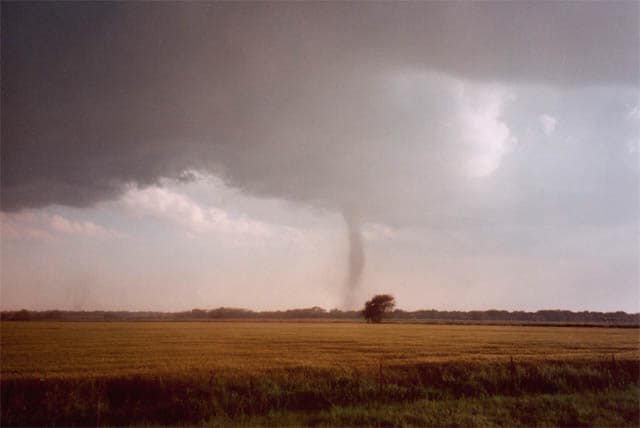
(279, 374)
(619, 409)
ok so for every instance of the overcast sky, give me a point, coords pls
(166, 156)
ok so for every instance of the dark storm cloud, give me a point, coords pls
(281, 99)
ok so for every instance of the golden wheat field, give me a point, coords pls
(87, 349)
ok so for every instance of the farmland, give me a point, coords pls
(248, 373)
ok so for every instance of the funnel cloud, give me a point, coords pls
(356, 260)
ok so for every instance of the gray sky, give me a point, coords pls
(177, 155)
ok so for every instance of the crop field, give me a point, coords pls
(81, 349)
(252, 373)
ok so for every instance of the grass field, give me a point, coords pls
(244, 373)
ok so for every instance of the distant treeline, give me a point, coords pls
(543, 316)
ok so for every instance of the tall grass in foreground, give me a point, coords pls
(572, 393)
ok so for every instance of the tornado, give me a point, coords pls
(356, 259)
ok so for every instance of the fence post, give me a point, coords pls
(380, 378)
(614, 370)
(512, 370)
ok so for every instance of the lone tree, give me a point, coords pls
(378, 307)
